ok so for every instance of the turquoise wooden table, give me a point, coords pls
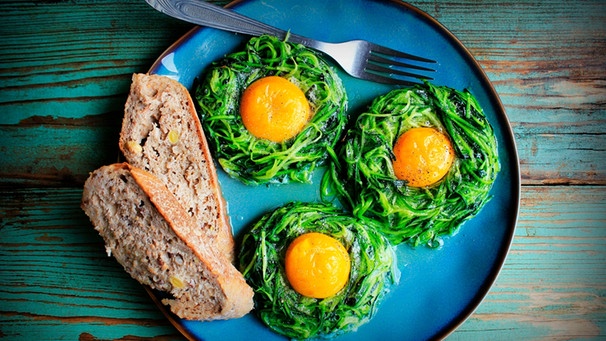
(65, 70)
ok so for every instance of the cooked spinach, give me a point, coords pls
(362, 177)
(253, 160)
(261, 260)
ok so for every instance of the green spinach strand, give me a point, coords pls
(257, 161)
(261, 260)
(362, 176)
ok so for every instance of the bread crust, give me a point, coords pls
(159, 244)
(161, 133)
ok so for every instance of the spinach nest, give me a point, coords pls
(284, 310)
(362, 173)
(255, 160)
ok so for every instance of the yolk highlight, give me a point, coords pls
(317, 265)
(423, 156)
(274, 108)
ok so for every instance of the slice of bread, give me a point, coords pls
(161, 133)
(151, 235)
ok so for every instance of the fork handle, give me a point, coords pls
(207, 14)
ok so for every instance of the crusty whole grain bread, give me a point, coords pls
(161, 133)
(160, 245)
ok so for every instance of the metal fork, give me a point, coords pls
(359, 58)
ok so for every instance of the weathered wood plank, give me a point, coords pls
(551, 88)
(554, 280)
(545, 59)
(553, 283)
(56, 279)
(55, 151)
(75, 58)
(63, 83)
(51, 151)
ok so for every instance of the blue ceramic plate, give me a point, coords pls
(438, 289)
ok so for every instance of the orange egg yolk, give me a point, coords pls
(274, 108)
(423, 156)
(317, 265)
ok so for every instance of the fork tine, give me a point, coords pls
(395, 53)
(390, 71)
(381, 60)
(375, 77)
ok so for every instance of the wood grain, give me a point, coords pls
(65, 69)
(553, 90)
(546, 61)
(49, 251)
(63, 83)
(553, 282)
